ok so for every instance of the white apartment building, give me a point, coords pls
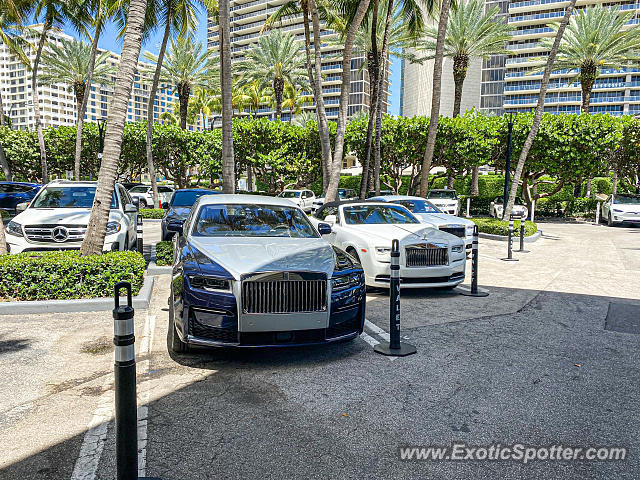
(248, 18)
(57, 103)
(615, 92)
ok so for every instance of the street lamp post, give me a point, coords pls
(507, 172)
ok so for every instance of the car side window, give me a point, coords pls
(323, 213)
(164, 189)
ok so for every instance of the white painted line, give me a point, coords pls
(370, 340)
(146, 345)
(377, 330)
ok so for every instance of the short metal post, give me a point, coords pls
(126, 415)
(468, 207)
(510, 242)
(533, 210)
(139, 240)
(474, 291)
(522, 225)
(394, 347)
(598, 213)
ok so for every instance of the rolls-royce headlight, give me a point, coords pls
(14, 228)
(344, 282)
(469, 229)
(113, 227)
(457, 249)
(209, 284)
(383, 250)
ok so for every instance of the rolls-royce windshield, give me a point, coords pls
(375, 214)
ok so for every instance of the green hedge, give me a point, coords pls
(164, 253)
(67, 275)
(499, 227)
(152, 212)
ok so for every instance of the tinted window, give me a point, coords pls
(251, 221)
(446, 194)
(322, 214)
(289, 194)
(418, 206)
(626, 199)
(377, 214)
(68, 197)
(139, 189)
(186, 199)
(164, 189)
(8, 188)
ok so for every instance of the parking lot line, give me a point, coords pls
(376, 329)
(369, 339)
(146, 345)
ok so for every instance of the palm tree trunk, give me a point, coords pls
(614, 182)
(228, 162)
(83, 107)
(475, 188)
(80, 93)
(184, 90)
(94, 238)
(150, 105)
(460, 64)
(6, 169)
(34, 91)
(435, 98)
(588, 75)
(345, 87)
(539, 110)
(278, 88)
(3, 239)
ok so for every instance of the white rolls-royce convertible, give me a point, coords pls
(428, 257)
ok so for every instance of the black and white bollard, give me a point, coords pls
(394, 347)
(474, 291)
(522, 225)
(139, 241)
(509, 257)
(126, 417)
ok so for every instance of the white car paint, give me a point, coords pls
(42, 222)
(371, 243)
(302, 198)
(496, 208)
(446, 200)
(343, 194)
(621, 208)
(144, 194)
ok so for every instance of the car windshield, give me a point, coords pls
(445, 194)
(289, 194)
(186, 199)
(249, 220)
(376, 214)
(627, 199)
(418, 206)
(499, 201)
(139, 189)
(68, 197)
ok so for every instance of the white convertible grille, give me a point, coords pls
(55, 233)
(284, 296)
(429, 255)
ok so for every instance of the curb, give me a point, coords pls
(153, 268)
(504, 238)
(140, 302)
(151, 220)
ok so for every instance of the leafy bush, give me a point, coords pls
(499, 227)
(155, 213)
(164, 253)
(67, 275)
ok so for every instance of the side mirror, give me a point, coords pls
(21, 207)
(324, 228)
(165, 205)
(136, 201)
(330, 219)
(130, 208)
(175, 227)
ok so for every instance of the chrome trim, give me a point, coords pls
(427, 255)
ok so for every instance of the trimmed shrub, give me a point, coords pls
(156, 213)
(164, 253)
(499, 227)
(67, 275)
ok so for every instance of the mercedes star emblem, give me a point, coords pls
(60, 234)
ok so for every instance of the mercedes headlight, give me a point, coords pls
(209, 284)
(113, 227)
(14, 228)
(344, 282)
(457, 249)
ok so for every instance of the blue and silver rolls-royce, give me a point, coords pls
(252, 271)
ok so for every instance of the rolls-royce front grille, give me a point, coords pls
(427, 256)
(55, 233)
(457, 231)
(284, 296)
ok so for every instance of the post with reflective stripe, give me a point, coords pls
(474, 291)
(126, 419)
(510, 243)
(394, 347)
(522, 225)
(598, 213)
(139, 241)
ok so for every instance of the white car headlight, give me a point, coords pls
(457, 248)
(113, 227)
(615, 210)
(383, 250)
(14, 228)
(209, 284)
(469, 230)
(344, 282)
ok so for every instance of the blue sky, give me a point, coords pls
(109, 41)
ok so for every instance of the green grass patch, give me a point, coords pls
(156, 213)
(164, 253)
(500, 227)
(66, 275)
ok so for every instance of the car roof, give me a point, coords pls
(337, 203)
(212, 192)
(19, 183)
(241, 198)
(391, 198)
(442, 190)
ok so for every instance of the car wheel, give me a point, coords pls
(610, 220)
(173, 339)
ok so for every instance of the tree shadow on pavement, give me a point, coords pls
(13, 345)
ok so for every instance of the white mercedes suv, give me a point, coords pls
(57, 218)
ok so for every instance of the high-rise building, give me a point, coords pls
(57, 102)
(492, 89)
(616, 92)
(247, 20)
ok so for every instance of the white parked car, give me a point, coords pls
(429, 214)
(496, 208)
(446, 200)
(302, 198)
(343, 194)
(144, 194)
(428, 257)
(57, 218)
(621, 208)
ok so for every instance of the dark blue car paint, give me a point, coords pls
(9, 200)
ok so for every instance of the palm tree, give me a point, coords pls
(253, 95)
(185, 66)
(294, 100)
(226, 92)
(596, 38)
(204, 102)
(94, 238)
(174, 116)
(69, 63)
(305, 118)
(275, 59)
(539, 110)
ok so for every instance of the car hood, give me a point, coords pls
(243, 255)
(410, 233)
(442, 201)
(177, 213)
(441, 219)
(54, 216)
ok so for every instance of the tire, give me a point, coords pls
(126, 245)
(609, 220)
(173, 339)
